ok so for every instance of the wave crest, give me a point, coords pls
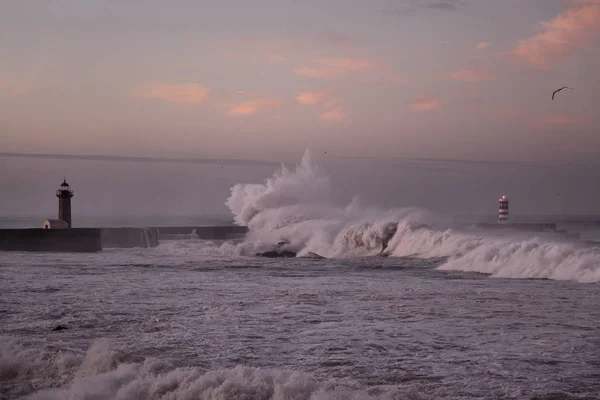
(296, 206)
(105, 373)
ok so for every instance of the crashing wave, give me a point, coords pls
(296, 204)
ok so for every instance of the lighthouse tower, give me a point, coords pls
(503, 210)
(64, 194)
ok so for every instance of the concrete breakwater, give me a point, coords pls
(223, 232)
(95, 239)
(129, 237)
(151, 236)
(74, 240)
(532, 227)
(524, 226)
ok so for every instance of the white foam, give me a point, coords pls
(527, 258)
(104, 374)
(296, 206)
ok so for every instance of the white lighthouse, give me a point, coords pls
(503, 210)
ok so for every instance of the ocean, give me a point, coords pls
(449, 312)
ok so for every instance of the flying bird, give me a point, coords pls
(558, 90)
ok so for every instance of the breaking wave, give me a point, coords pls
(105, 373)
(295, 206)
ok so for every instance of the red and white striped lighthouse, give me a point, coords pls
(503, 210)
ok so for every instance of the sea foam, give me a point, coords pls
(296, 206)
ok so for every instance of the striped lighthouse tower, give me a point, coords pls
(503, 210)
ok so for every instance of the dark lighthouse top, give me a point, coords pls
(65, 190)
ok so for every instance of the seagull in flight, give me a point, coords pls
(558, 90)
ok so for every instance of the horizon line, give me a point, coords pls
(411, 161)
(142, 159)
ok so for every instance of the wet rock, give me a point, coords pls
(59, 328)
(277, 254)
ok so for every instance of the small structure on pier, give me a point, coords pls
(55, 224)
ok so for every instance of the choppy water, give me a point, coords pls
(170, 323)
(198, 320)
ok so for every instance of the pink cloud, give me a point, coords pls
(251, 107)
(425, 104)
(558, 120)
(386, 73)
(562, 35)
(20, 87)
(471, 75)
(338, 67)
(310, 98)
(271, 57)
(482, 45)
(180, 93)
(271, 51)
(335, 67)
(335, 114)
(332, 109)
(539, 121)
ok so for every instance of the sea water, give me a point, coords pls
(450, 312)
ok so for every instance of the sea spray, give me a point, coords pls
(295, 205)
(304, 190)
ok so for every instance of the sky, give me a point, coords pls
(445, 97)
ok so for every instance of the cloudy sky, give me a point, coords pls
(461, 82)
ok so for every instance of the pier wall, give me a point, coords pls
(96, 239)
(150, 237)
(76, 240)
(129, 237)
(525, 226)
(204, 232)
